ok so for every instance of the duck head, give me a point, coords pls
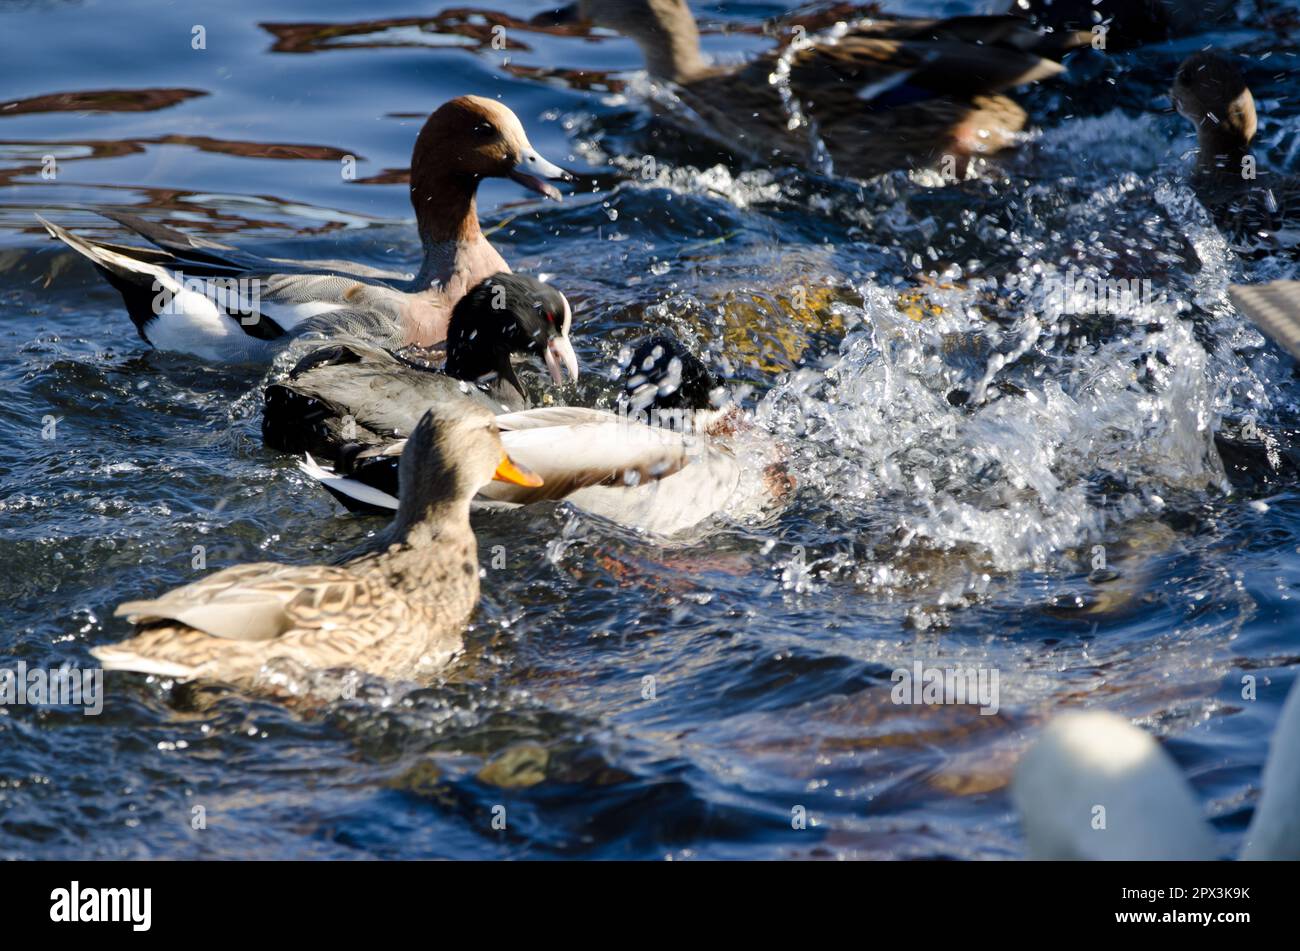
(664, 29)
(508, 314)
(453, 452)
(465, 141)
(1210, 91)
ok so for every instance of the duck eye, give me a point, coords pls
(484, 130)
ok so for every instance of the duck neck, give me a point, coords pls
(446, 213)
(670, 42)
(492, 371)
(479, 355)
(439, 514)
(1220, 153)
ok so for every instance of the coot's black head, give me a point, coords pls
(512, 313)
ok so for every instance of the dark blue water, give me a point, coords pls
(847, 315)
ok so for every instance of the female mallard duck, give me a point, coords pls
(393, 612)
(337, 392)
(876, 96)
(655, 465)
(1250, 203)
(218, 303)
(1090, 758)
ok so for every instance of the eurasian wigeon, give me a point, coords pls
(221, 304)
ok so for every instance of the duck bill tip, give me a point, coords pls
(535, 184)
(532, 170)
(510, 471)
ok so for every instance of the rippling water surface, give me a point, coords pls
(965, 456)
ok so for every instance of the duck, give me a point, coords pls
(340, 395)
(866, 98)
(659, 464)
(219, 304)
(395, 611)
(1249, 202)
(1088, 759)
(1274, 307)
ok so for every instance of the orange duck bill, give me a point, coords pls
(510, 471)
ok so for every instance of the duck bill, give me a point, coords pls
(559, 358)
(510, 471)
(531, 169)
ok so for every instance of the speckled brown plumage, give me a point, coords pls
(393, 612)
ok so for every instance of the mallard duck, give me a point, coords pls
(1088, 759)
(393, 612)
(218, 303)
(338, 391)
(875, 95)
(1248, 201)
(651, 466)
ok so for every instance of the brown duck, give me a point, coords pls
(394, 612)
(876, 95)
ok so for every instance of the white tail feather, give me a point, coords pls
(345, 486)
(114, 658)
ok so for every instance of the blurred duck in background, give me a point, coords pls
(867, 98)
(1252, 204)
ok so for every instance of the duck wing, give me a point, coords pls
(1006, 31)
(353, 392)
(254, 602)
(650, 478)
(195, 296)
(885, 73)
(1275, 307)
(223, 258)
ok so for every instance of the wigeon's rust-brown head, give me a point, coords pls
(466, 140)
(1210, 91)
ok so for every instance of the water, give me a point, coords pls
(965, 455)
